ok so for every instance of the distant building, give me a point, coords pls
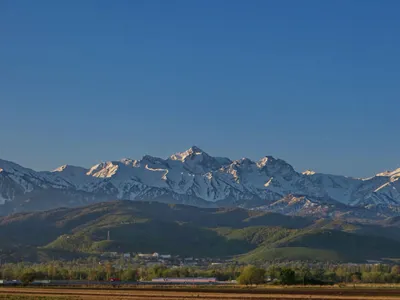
(144, 255)
(188, 258)
(127, 255)
(371, 261)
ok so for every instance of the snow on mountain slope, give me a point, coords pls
(298, 206)
(379, 189)
(197, 161)
(195, 177)
(72, 174)
(392, 174)
(26, 180)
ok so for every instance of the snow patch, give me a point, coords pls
(309, 172)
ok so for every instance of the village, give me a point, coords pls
(168, 260)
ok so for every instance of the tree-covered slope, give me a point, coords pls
(190, 231)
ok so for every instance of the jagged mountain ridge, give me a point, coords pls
(197, 178)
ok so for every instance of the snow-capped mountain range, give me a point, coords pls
(194, 177)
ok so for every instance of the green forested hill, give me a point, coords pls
(189, 231)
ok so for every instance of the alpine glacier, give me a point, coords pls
(194, 177)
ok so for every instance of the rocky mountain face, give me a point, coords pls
(194, 177)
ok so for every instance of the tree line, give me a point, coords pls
(287, 274)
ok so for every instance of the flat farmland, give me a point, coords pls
(201, 294)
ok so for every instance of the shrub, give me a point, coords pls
(288, 276)
(28, 277)
(251, 275)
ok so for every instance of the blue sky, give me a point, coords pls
(313, 82)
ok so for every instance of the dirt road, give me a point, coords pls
(216, 294)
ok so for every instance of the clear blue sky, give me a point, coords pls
(313, 82)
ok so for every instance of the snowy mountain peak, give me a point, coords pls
(309, 172)
(270, 160)
(8, 165)
(153, 160)
(195, 149)
(263, 161)
(104, 170)
(69, 168)
(191, 152)
(276, 167)
(194, 177)
(243, 161)
(394, 173)
(60, 168)
(197, 161)
(129, 162)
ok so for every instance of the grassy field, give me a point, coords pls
(282, 293)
